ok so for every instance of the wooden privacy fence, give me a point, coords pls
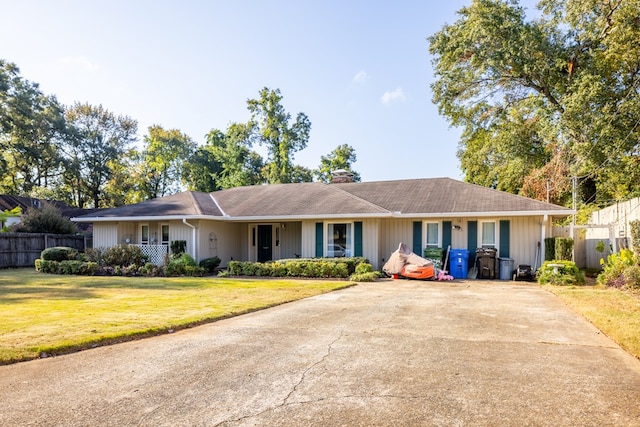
(22, 249)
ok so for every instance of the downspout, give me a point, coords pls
(543, 235)
(193, 238)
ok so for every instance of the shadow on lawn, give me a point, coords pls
(19, 293)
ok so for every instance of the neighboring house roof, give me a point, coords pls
(8, 202)
(410, 198)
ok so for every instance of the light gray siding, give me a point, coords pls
(105, 234)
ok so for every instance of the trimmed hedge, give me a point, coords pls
(564, 248)
(300, 267)
(59, 253)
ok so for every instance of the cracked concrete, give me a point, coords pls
(388, 353)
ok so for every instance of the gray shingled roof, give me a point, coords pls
(188, 203)
(443, 195)
(383, 198)
(307, 199)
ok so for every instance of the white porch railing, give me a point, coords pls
(156, 253)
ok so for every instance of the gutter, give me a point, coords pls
(281, 218)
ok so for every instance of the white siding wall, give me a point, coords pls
(221, 239)
(392, 233)
(370, 241)
(105, 234)
(308, 239)
(290, 240)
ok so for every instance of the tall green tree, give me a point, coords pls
(32, 126)
(163, 157)
(540, 100)
(342, 157)
(201, 171)
(99, 141)
(225, 161)
(273, 129)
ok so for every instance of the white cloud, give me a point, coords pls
(77, 62)
(393, 96)
(360, 77)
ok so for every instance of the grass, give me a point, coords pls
(51, 314)
(614, 312)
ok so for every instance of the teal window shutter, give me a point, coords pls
(417, 237)
(505, 231)
(446, 234)
(357, 238)
(319, 239)
(472, 240)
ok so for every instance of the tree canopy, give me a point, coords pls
(87, 156)
(542, 100)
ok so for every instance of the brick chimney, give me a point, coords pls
(341, 176)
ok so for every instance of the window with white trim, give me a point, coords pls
(339, 238)
(433, 235)
(488, 237)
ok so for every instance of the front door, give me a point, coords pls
(264, 243)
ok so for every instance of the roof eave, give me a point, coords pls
(561, 213)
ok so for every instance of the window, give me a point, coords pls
(339, 240)
(433, 235)
(144, 234)
(164, 229)
(488, 238)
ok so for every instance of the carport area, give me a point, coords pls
(386, 353)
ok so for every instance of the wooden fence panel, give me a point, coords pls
(22, 249)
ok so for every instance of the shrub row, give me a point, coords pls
(306, 267)
(121, 260)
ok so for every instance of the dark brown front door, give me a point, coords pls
(264, 243)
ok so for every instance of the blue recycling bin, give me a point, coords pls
(459, 263)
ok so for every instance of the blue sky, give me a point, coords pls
(360, 70)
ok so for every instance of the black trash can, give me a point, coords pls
(486, 263)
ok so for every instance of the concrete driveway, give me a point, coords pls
(389, 353)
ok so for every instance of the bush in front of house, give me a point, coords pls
(364, 273)
(298, 267)
(568, 274)
(622, 270)
(59, 253)
(124, 256)
(82, 268)
(184, 265)
(210, 264)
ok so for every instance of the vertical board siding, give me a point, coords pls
(221, 239)
(105, 234)
(291, 240)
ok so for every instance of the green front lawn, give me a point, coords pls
(41, 313)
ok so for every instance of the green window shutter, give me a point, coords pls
(472, 240)
(446, 234)
(357, 238)
(319, 239)
(417, 237)
(505, 231)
